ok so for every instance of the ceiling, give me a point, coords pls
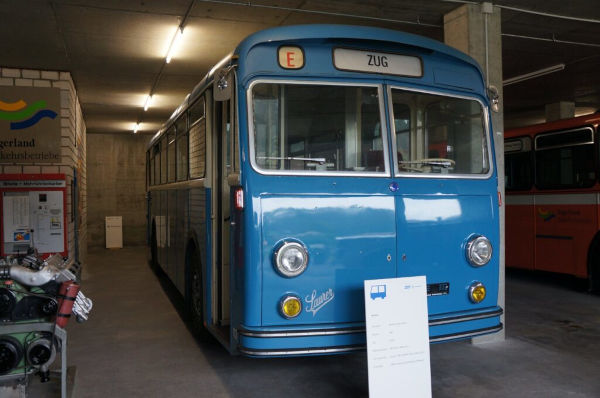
(115, 50)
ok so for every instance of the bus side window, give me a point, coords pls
(182, 148)
(163, 160)
(156, 164)
(518, 164)
(565, 159)
(197, 139)
(150, 167)
(171, 154)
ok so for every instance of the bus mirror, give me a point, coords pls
(223, 84)
(494, 98)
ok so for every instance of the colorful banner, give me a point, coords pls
(30, 127)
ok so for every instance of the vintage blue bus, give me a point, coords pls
(313, 158)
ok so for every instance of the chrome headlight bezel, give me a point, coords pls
(279, 258)
(473, 251)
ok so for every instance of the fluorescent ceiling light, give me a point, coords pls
(174, 43)
(147, 102)
(532, 75)
(136, 127)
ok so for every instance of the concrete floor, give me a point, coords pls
(136, 345)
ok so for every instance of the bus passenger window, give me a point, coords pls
(182, 157)
(317, 128)
(197, 139)
(171, 159)
(198, 149)
(182, 148)
(163, 160)
(156, 164)
(518, 167)
(149, 171)
(565, 159)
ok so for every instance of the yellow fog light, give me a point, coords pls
(477, 292)
(290, 306)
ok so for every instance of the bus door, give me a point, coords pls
(520, 218)
(566, 206)
(443, 191)
(223, 162)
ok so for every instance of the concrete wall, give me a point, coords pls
(117, 186)
(73, 148)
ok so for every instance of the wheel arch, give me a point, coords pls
(192, 244)
(593, 263)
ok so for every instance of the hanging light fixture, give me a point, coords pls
(174, 43)
(533, 75)
(147, 102)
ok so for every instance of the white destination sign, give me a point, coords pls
(398, 337)
(376, 62)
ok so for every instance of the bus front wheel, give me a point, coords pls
(195, 295)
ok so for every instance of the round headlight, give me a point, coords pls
(291, 259)
(290, 306)
(479, 251)
(477, 292)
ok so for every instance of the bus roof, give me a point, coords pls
(318, 31)
(591, 119)
(350, 32)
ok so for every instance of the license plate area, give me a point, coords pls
(438, 289)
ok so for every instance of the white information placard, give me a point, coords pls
(398, 337)
(16, 217)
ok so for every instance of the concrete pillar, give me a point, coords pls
(560, 110)
(475, 30)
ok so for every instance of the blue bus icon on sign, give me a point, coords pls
(378, 291)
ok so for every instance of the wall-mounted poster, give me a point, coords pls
(30, 125)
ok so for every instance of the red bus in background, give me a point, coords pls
(553, 198)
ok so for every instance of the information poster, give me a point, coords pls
(398, 337)
(16, 217)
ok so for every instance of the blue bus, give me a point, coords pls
(313, 158)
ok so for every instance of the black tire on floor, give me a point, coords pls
(194, 297)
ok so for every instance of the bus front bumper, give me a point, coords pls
(303, 340)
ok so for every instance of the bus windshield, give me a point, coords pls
(439, 134)
(317, 128)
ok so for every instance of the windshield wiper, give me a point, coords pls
(436, 162)
(317, 160)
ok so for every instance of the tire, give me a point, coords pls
(194, 298)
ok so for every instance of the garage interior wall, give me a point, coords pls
(73, 148)
(117, 174)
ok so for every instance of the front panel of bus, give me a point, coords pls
(350, 174)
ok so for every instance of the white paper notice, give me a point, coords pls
(398, 337)
(16, 216)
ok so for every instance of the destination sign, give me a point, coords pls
(377, 62)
